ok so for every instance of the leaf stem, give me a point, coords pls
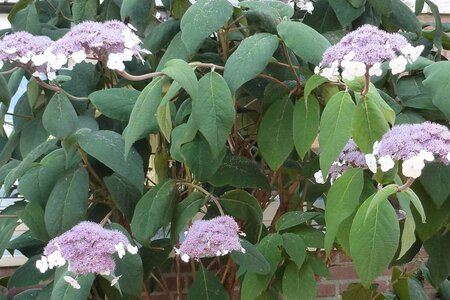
(366, 82)
(9, 71)
(406, 185)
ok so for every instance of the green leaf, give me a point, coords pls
(181, 72)
(299, 281)
(181, 135)
(7, 228)
(27, 19)
(342, 200)
(306, 43)
(294, 218)
(202, 19)
(109, 148)
(28, 275)
(242, 205)
(5, 96)
(323, 19)
(437, 83)
(83, 10)
(254, 284)
(63, 290)
(161, 35)
(143, 116)
(387, 111)
(408, 234)
(123, 194)
(199, 158)
(403, 17)
(164, 119)
(206, 286)
(268, 7)
(275, 136)
(369, 124)
(252, 260)
(213, 111)
(176, 49)
(60, 118)
(37, 183)
(382, 6)
(415, 201)
(439, 257)
(335, 128)
(306, 121)
(67, 204)
(358, 291)
(109, 10)
(115, 103)
(154, 210)
(21, 4)
(258, 49)
(296, 248)
(345, 12)
(186, 211)
(138, 12)
(382, 196)
(434, 179)
(240, 172)
(312, 83)
(32, 135)
(357, 3)
(33, 217)
(374, 239)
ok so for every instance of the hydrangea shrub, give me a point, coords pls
(142, 138)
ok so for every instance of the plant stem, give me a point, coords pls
(9, 71)
(291, 66)
(201, 189)
(366, 82)
(406, 185)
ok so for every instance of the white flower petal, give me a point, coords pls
(120, 249)
(73, 282)
(426, 155)
(371, 162)
(185, 257)
(132, 249)
(386, 163)
(412, 167)
(319, 177)
(398, 64)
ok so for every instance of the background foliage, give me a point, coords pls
(151, 154)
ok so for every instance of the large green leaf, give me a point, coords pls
(382, 6)
(109, 148)
(33, 217)
(257, 49)
(374, 239)
(32, 135)
(295, 246)
(299, 281)
(143, 116)
(60, 118)
(242, 205)
(345, 12)
(63, 290)
(342, 200)
(306, 43)
(181, 135)
(254, 284)
(335, 128)
(181, 72)
(277, 9)
(161, 35)
(37, 183)
(241, 172)
(206, 286)
(123, 194)
(176, 49)
(252, 260)
(439, 257)
(199, 158)
(154, 210)
(27, 19)
(403, 17)
(202, 19)
(213, 111)
(435, 178)
(437, 83)
(305, 124)
(275, 137)
(115, 103)
(5, 95)
(68, 202)
(369, 124)
(185, 212)
(28, 275)
(83, 10)
(294, 218)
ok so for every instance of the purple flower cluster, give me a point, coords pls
(407, 140)
(362, 51)
(370, 45)
(112, 42)
(87, 247)
(350, 157)
(206, 238)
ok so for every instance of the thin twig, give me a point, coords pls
(366, 82)
(274, 80)
(105, 219)
(291, 66)
(161, 285)
(201, 189)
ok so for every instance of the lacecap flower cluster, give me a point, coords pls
(111, 42)
(87, 248)
(206, 238)
(412, 144)
(363, 51)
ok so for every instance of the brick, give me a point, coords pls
(343, 272)
(325, 290)
(344, 258)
